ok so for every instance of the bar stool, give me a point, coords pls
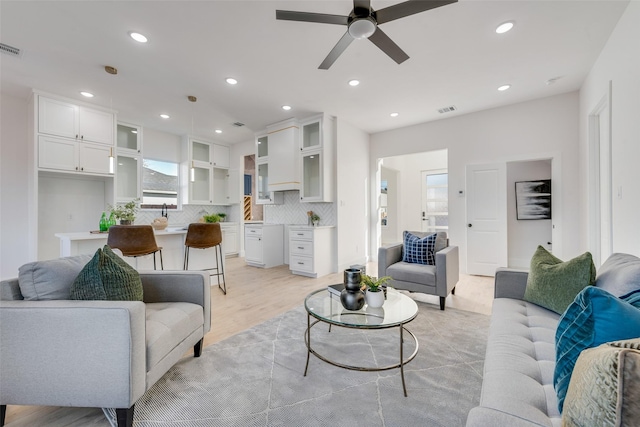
(134, 241)
(203, 236)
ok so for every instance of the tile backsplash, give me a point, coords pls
(188, 214)
(294, 212)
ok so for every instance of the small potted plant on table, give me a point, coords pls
(374, 295)
(125, 213)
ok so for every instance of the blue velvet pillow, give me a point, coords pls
(593, 318)
(419, 250)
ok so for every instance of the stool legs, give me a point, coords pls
(219, 268)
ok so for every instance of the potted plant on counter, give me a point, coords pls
(222, 216)
(125, 213)
(211, 218)
(374, 295)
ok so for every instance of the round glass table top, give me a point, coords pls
(397, 309)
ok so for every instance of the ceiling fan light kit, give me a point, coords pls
(363, 22)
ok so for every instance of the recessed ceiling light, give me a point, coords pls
(231, 81)
(504, 27)
(164, 116)
(394, 114)
(218, 131)
(354, 82)
(138, 37)
(286, 107)
(504, 87)
(87, 94)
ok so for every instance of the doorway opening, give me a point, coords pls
(251, 211)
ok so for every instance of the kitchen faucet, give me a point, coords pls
(164, 212)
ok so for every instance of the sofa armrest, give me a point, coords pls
(447, 270)
(72, 353)
(510, 283)
(481, 416)
(10, 290)
(179, 286)
(388, 255)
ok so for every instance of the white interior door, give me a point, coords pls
(486, 218)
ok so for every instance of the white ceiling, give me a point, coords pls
(456, 58)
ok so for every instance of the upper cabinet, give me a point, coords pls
(129, 138)
(262, 147)
(206, 178)
(284, 167)
(60, 118)
(316, 159)
(128, 167)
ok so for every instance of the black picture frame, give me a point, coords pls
(533, 199)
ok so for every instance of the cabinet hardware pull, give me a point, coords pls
(300, 263)
(300, 247)
(76, 136)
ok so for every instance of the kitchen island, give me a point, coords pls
(171, 240)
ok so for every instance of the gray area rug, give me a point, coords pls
(255, 378)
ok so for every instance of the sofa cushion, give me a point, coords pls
(168, 324)
(620, 274)
(414, 273)
(419, 250)
(605, 387)
(107, 277)
(553, 284)
(594, 318)
(51, 279)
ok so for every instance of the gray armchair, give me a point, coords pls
(439, 279)
(104, 354)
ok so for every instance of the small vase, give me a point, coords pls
(352, 297)
(125, 222)
(375, 299)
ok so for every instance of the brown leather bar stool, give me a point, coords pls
(203, 236)
(134, 241)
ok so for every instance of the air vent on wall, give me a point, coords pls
(10, 50)
(238, 124)
(447, 109)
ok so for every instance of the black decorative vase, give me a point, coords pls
(351, 297)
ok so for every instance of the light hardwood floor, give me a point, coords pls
(253, 296)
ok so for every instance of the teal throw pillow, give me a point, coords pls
(553, 284)
(594, 318)
(107, 277)
(419, 250)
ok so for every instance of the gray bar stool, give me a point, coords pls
(134, 241)
(203, 236)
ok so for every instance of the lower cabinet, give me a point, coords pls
(229, 238)
(311, 250)
(264, 245)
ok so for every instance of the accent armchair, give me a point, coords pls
(439, 279)
(60, 352)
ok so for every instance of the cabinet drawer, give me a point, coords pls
(301, 263)
(301, 234)
(253, 231)
(301, 247)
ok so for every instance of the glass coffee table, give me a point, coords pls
(397, 311)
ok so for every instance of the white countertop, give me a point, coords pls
(170, 230)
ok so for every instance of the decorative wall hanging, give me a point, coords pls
(533, 199)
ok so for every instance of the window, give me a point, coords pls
(160, 184)
(435, 200)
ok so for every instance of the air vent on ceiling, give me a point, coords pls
(447, 109)
(238, 124)
(9, 50)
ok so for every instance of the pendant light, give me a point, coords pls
(192, 174)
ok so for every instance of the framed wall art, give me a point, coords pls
(533, 199)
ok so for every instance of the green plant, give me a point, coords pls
(212, 218)
(313, 216)
(222, 215)
(127, 211)
(373, 284)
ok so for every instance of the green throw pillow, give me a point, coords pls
(554, 284)
(107, 277)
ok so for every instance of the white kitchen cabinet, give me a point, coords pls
(266, 197)
(264, 245)
(225, 186)
(229, 238)
(262, 147)
(63, 119)
(127, 177)
(284, 166)
(70, 155)
(204, 173)
(129, 138)
(316, 159)
(310, 250)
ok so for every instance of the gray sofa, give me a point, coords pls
(58, 352)
(439, 279)
(517, 385)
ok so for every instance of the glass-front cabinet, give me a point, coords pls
(262, 147)
(316, 154)
(128, 162)
(311, 189)
(205, 173)
(129, 138)
(200, 186)
(311, 135)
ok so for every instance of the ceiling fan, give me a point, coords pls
(363, 22)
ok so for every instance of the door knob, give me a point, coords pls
(469, 225)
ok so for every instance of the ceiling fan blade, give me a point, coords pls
(362, 4)
(322, 18)
(388, 46)
(342, 44)
(407, 8)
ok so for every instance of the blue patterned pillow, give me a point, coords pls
(593, 318)
(419, 250)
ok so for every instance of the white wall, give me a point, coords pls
(14, 209)
(619, 62)
(352, 194)
(524, 236)
(542, 128)
(410, 184)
